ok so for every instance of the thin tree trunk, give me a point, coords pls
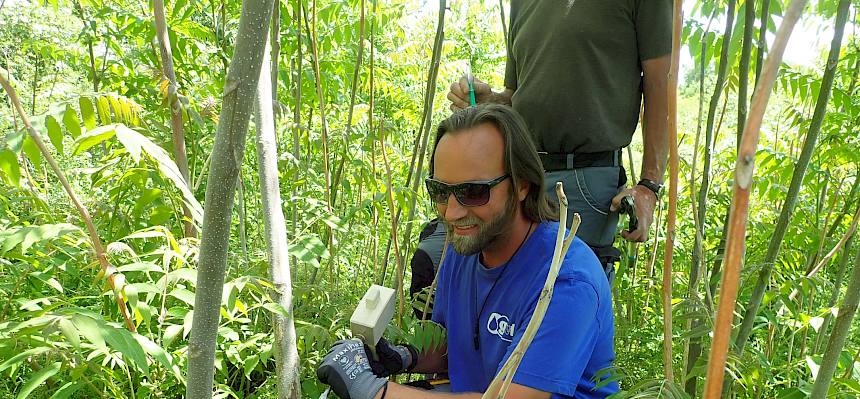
(297, 112)
(275, 57)
(423, 135)
(356, 76)
(796, 180)
(762, 36)
(175, 108)
(277, 247)
(744, 65)
(840, 330)
(696, 258)
(243, 235)
(504, 22)
(321, 100)
(742, 184)
(671, 217)
(114, 278)
(834, 294)
(229, 149)
(390, 198)
(694, 348)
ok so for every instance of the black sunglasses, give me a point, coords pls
(473, 193)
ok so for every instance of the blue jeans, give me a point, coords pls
(589, 192)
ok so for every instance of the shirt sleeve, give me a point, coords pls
(564, 341)
(654, 28)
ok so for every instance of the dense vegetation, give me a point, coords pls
(355, 96)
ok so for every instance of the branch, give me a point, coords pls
(115, 280)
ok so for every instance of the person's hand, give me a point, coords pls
(458, 94)
(393, 359)
(346, 369)
(644, 201)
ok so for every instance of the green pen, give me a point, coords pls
(471, 79)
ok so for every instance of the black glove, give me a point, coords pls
(347, 371)
(393, 359)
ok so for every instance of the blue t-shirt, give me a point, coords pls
(574, 342)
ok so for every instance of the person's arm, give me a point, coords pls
(516, 391)
(655, 123)
(346, 368)
(655, 138)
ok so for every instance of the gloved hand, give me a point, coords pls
(346, 370)
(393, 359)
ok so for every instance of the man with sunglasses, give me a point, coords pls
(577, 71)
(487, 184)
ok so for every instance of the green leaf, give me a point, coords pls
(93, 137)
(15, 140)
(38, 378)
(183, 295)
(159, 354)
(73, 124)
(32, 151)
(9, 166)
(55, 133)
(90, 330)
(135, 142)
(26, 236)
(170, 334)
(69, 331)
(87, 112)
(17, 359)
(67, 390)
(103, 105)
(250, 364)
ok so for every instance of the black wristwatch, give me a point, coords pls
(657, 188)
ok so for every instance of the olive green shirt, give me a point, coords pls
(576, 68)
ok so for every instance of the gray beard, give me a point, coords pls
(488, 232)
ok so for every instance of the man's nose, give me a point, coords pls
(453, 209)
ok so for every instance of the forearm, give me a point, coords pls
(655, 124)
(397, 391)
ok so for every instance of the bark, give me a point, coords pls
(321, 101)
(834, 293)
(424, 135)
(796, 180)
(243, 234)
(694, 349)
(742, 184)
(175, 108)
(115, 280)
(709, 138)
(227, 153)
(671, 217)
(297, 111)
(840, 330)
(277, 247)
(356, 76)
(762, 37)
(744, 65)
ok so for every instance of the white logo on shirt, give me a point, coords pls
(499, 324)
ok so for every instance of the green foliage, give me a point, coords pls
(90, 79)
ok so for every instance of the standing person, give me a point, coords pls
(577, 71)
(488, 186)
(424, 264)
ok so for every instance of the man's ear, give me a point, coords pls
(523, 192)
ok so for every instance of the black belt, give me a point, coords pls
(554, 162)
